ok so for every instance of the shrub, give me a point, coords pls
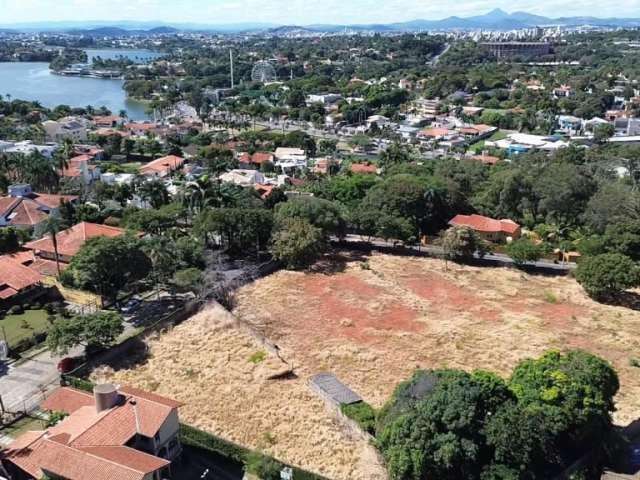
(264, 467)
(258, 357)
(523, 250)
(607, 274)
(16, 310)
(363, 414)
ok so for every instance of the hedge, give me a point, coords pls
(363, 414)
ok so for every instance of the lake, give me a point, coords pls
(33, 81)
(137, 56)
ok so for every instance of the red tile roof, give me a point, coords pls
(91, 445)
(486, 159)
(257, 158)
(163, 166)
(435, 132)
(70, 241)
(15, 277)
(363, 168)
(485, 224)
(31, 210)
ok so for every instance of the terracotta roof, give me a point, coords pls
(363, 168)
(264, 190)
(485, 224)
(91, 445)
(15, 277)
(67, 400)
(164, 165)
(70, 241)
(435, 132)
(30, 210)
(51, 454)
(486, 159)
(257, 158)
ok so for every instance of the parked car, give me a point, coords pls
(66, 365)
(131, 306)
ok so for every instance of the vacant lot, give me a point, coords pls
(225, 377)
(379, 319)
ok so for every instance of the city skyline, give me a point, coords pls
(291, 11)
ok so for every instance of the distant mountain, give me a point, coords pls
(496, 19)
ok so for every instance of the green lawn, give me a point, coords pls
(23, 425)
(18, 327)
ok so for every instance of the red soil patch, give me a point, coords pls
(446, 296)
(560, 315)
(345, 309)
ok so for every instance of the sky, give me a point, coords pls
(295, 11)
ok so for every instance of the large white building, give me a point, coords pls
(72, 128)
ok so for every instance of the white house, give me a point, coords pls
(71, 128)
(290, 158)
(243, 178)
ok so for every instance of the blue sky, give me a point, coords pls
(295, 11)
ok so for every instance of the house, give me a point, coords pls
(70, 241)
(247, 160)
(17, 282)
(140, 129)
(379, 120)
(23, 208)
(563, 91)
(107, 121)
(69, 128)
(569, 124)
(118, 433)
(325, 98)
(28, 147)
(162, 167)
(79, 168)
(629, 127)
(436, 133)
(428, 106)
(499, 231)
(363, 168)
(243, 178)
(290, 158)
(406, 84)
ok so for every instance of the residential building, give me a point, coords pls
(243, 178)
(570, 124)
(379, 120)
(325, 98)
(17, 282)
(498, 231)
(256, 160)
(27, 147)
(290, 158)
(70, 241)
(162, 167)
(563, 91)
(71, 128)
(363, 168)
(512, 49)
(118, 433)
(25, 209)
(140, 129)
(107, 121)
(428, 106)
(81, 169)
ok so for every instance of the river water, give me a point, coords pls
(33, 81)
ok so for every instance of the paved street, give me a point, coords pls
(435, 250)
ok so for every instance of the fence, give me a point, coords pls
(18, 409)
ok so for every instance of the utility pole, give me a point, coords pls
(231, 60)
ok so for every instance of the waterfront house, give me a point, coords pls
(498, 231)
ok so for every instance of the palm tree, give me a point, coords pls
(64, 155)
(52, 226)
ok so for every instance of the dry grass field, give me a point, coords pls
(224, 375)
(375, 322)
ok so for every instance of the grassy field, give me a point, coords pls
(233, 386)
(375, 322)
(371, 321)
(19, 327)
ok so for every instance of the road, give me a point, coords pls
(437, 251)
(24, 384)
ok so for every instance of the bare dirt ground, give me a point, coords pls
(224, 375)
(377, 320)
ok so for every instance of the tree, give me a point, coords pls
(396, 154)
(105, 265)
(155, 192)
(188, 280)
(574, 391)
(52, 226)
(297, 243)
(614, 202)
(97, 330)
(9, 240)
(603, 132)
(607, 275)
(320, 213)
(523, 250)
(433, 425)
(462, 243)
